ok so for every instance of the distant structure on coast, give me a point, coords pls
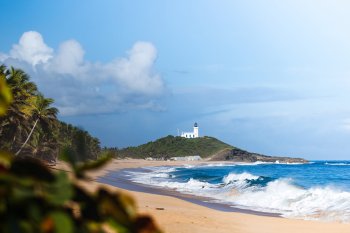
(193, 134)
(187, 158)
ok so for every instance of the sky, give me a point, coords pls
(271, 77)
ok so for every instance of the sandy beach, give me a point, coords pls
(176, 216)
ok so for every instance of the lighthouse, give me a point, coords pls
(195, 130)
(194, 134)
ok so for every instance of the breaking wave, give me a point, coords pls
(260, 193)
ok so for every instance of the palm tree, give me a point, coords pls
(19, 111)
(20, 85)
(5, 95)
(43, 145)
(31, 127)
(43, 114)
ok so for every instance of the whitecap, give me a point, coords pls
(337, 164)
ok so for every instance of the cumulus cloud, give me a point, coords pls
(69, 58)
(135, 71)
(31, 49)
(83, 87)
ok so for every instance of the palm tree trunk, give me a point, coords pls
(29, 135)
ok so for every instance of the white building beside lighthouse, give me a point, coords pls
(194, 134)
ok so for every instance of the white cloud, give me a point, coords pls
(31, 49)
(83, 87)
(135, 71)
(69, 58)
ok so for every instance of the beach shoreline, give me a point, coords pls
(174, 214)
(121, 180)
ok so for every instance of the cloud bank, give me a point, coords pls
(83, 87)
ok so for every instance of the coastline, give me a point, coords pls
(174, 214)
(121, 180)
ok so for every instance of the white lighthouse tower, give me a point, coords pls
(195, 130)
(194, 134)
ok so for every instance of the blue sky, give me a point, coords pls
(271, 77)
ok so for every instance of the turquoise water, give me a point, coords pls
(319, 190)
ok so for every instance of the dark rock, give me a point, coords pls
(238, 155)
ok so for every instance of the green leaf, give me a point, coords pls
(117, 205)
(128, 203)
(117, 226)
(61, 191)
(62, 222)
(20, 193)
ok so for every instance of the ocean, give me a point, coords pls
(319, 190)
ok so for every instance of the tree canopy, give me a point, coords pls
(31, 126)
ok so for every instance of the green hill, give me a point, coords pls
(171, 146)
(207, 147)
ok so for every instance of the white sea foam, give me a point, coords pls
(277, 196)
(209, 165)
(337, 164)
(220, 165)
(262, 163)
(242, 177)
(287, 163)
(192, 186)
(152, 177)
(161, 169)
(281, 196)
(253, 163)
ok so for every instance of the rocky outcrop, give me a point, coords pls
(238, 155)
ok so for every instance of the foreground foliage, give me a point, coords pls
(35, 199)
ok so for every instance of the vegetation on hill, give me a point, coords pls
(31, 127)
(206, 147)
(171, 146)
